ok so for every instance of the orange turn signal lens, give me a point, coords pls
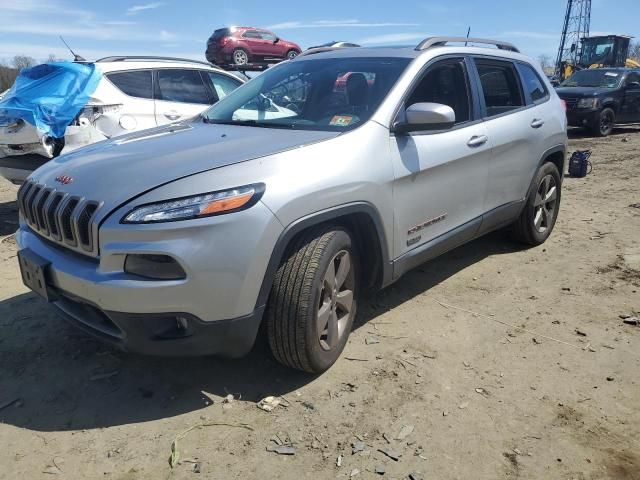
(226, 204)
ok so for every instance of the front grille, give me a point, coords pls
(62, 218)
(572, 103)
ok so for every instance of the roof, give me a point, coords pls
(115, 63)
(409, 52)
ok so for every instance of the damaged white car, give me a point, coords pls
(56, 108)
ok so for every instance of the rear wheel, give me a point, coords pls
(312, 303)
(538, 218)
(604, 123)
(240, 57)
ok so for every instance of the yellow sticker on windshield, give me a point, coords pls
(341, 121)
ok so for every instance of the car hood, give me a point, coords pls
(582, 92)
(117, 170)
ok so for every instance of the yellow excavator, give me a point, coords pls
(602, 51)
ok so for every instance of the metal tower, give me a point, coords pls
(576, 27)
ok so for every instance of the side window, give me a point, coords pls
(185, 86)
(270, 37)
(446, 83)
(633, 77)
(135, 84)
(500, 86)
(222, 84)
(252, 34)
(532, 83)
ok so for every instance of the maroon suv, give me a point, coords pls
(243, 45)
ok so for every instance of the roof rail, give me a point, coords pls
(442, 41)
(313, 51)
(124, 58)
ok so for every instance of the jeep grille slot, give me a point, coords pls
(60, 218)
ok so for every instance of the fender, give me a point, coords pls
(318, 218)
(557, 149)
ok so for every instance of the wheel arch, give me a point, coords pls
(363, 222)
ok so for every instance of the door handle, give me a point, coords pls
(477, 141)
(537, 123)
(172, 115)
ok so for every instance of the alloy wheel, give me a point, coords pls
(545, 204)
(606, 122)
(240, 57)
(336, 301)
(292, 55)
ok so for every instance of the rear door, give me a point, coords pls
(138, 104)
(515, 129)
(253, 40)
(441, 176)
(180, 94)
(630, 109)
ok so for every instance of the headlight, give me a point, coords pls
(588, 103)
(197, 206)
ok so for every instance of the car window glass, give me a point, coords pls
(222, 84)
(532, 83)
(334, 94)
(251, 34)
(633, 77)
(445, 83)
(183, 86)
(267, 36)
(500, 86)
(135, 84)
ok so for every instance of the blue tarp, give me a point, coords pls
(49, 96)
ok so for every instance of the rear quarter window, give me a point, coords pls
(135, 84)
(532, 84)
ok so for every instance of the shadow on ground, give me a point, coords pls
(583, 133)
(8, 218)
(65, 380)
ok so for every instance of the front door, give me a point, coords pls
(630, 108)
(440, 177)
(180, 94)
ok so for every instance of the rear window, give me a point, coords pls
(135, 84)
(184, 86)
(500, 86)
(532, 83)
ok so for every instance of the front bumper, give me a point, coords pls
(170, 334)
(213, 311)
(582, 118)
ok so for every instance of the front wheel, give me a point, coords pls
(538, 218)
(291, 54)
(312, 303)
(604, 123)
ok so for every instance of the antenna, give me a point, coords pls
(468, 33)
(76, 57)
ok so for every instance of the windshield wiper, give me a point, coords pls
(249, 123)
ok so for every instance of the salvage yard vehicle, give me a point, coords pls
(600, 98)
(59, 107)
(245, 45)
(184, 239)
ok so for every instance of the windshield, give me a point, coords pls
(334, 94)
(594, 78)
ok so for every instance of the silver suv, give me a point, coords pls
(322, 178)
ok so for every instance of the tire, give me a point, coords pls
(240, 57)
(604, 123)
(538, 218)
(291, 54)
(308, 321)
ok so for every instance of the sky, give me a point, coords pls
(97, 29)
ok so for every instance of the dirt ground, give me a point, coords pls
(503, 362)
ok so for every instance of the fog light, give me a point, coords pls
(155, 267)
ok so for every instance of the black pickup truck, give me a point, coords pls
(600, 98)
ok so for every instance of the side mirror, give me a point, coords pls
(427, 116)
(633, 86)
(276, 40)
